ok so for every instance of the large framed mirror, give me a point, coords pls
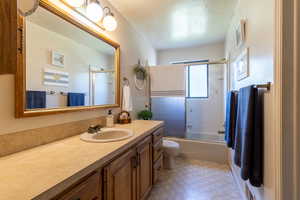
(64, 65)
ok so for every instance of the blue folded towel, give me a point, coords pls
(76, 99)
(35, 99)
(249, 135)
(230, 122)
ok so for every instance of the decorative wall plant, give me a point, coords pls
(140, 76)
(140, 71)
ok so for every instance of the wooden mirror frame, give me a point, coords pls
(20, 79)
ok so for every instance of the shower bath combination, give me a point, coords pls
(187, 116)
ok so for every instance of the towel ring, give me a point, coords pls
(126, 81)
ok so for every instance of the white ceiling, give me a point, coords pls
(178, 23)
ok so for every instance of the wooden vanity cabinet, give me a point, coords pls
(88, 189)
(120, 177)
(144, 168)
(157, 153)
(157, 150)
(157, 167)
(129, 176)
(158, 135)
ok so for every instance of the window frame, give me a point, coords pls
(188, 81)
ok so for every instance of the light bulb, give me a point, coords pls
(94, 12)
(110, 23)
(26, 8)
(75, 3)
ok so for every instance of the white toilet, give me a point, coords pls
(170, 151)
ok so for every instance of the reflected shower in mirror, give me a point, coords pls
(65, 65)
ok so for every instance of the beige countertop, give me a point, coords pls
(45, 171)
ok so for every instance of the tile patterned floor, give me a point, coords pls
(196, 180)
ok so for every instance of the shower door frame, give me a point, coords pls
(92, 75)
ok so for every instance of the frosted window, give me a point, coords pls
(198, 81)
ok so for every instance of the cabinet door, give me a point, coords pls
(158, 135)
(157, 150)
(120, 178)
(144, 169)
(89, 189)
(157, 167)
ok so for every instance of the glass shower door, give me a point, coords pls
(102, 88)
(172, 111)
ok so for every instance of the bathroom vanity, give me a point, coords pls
(72, 169)
(67, 63)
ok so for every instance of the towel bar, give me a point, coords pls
(265, 86)
(59, 93)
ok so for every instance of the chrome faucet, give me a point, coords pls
(94, 129)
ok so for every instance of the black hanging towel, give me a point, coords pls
(256, 172)
(248, 135)
(230, 122)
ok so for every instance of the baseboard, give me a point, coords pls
(239, 185)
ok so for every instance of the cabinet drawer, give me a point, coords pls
(90, 189)
(157, 167)
(157, 149)
(157, 135)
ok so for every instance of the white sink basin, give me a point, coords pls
(107, 135)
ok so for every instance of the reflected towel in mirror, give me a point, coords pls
(76, 99)
(35, 99)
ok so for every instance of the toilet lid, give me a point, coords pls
(170, 144)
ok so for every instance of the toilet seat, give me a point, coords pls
(171, 150)
(171, 147)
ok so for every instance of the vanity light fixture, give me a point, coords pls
(109, 21)
(27, 7)
(94, 11)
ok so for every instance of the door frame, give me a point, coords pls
(286, 94)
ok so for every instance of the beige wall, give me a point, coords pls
(260, 40)
(204, 116)
(133, 47)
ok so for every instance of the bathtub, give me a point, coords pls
(202, 150)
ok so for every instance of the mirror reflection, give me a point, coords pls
(66, 66)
